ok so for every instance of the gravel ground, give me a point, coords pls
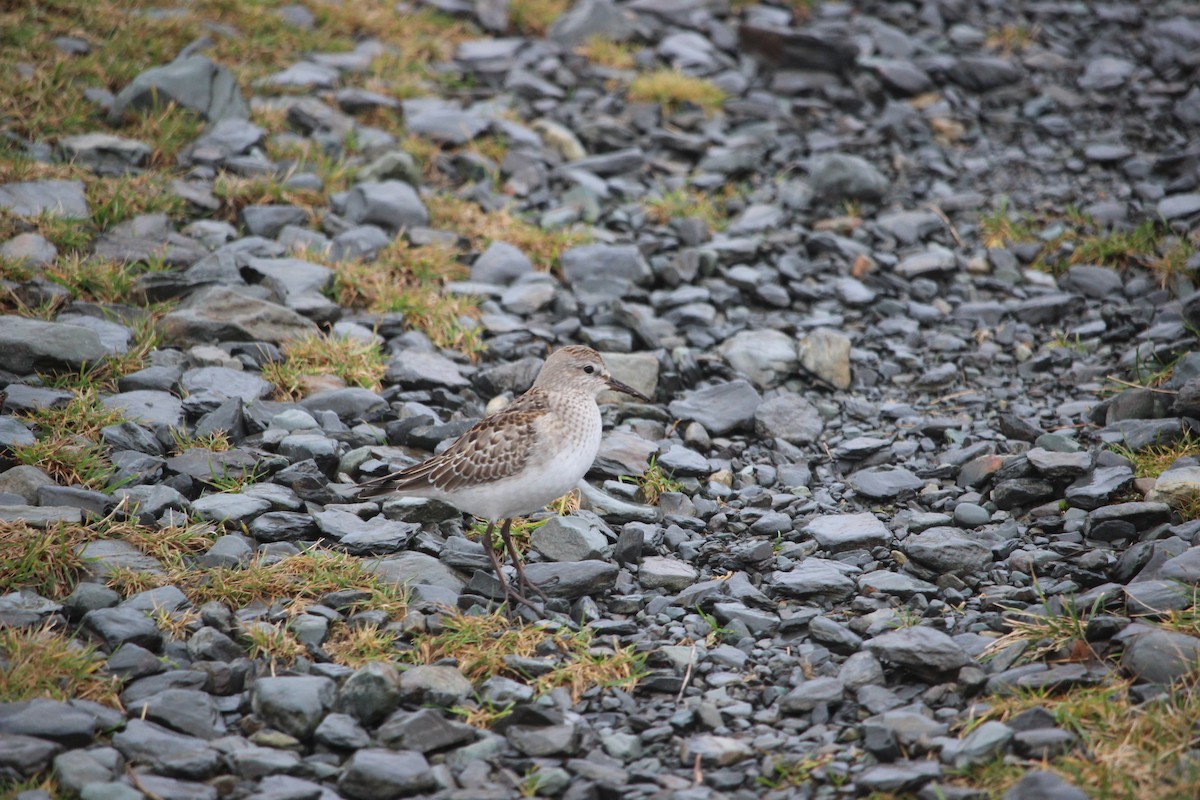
(910, 285)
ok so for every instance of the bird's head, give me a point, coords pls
(582, 369)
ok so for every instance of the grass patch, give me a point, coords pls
(41, 662)
(1011, 39)
(236, 192)
(654, 483)
(357, 646)
(115, 200)
(607, 53)
(1071, 238)
(684, 203)
(534, 17)
(409, 280)
(353, 361)
(520, 531)
(467, 219)
(788, 773)
(1128, 750)
(67, 445)
(1003, 227)
(274, 643)
(125, 40)
(47, 561)
(295, 581)
(1152, 461)
(672, 89)
(481, 644)
(216, 442)
(1062, 636)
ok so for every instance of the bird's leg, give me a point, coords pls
(489, 546)
(523, 581)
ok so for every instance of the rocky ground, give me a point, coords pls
(914, 512)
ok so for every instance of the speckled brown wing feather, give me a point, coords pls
(496, 447)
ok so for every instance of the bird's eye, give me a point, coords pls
(589, 369)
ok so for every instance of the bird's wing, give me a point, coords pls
(496, 447)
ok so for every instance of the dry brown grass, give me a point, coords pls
(42, 662)
(607, 53)
(46, 559)
(356, 646)
(409, 280)
(294, 581)
(671, 89)
(353, 361)
(482, 228)
(481, 643)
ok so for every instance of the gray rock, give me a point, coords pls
(424, 369)
(185, 710)
(765, 357)
(816, 577)
(377, 774)
(434, 685)
(944, 549)
(226, 382)
(609, 262)
(812, 693)
(195, 83)
(983, 744)
(1099, 487)
(591, 18)
(293, 704)
(720, 408)
(661, 572)
(838, 177)
(156, 410)
(919, 647)
(392, 205)
(568, 539)
(445, 124)
(166, 752)
(123, 625)
(220, 313)
(342, 732)
(105, 154)
(50, 719)
(715, 751)
(424, 731)
(52, 198)
(25, 756)
(1059, 466)
(573, 580)
(790, 417)
(885, 483)
(31, 249)
(1039, 785)
(982, 73)
(501, 264)
(30, 345)
(370, 693)
(1178, 206)
(837, 532)
(1105, 73)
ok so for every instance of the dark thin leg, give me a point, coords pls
(497, 567)
(511, 595)
(522, 581)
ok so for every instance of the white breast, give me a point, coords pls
(567, 447)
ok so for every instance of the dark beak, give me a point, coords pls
(617, 386)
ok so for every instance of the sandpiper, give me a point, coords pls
(517, 460)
